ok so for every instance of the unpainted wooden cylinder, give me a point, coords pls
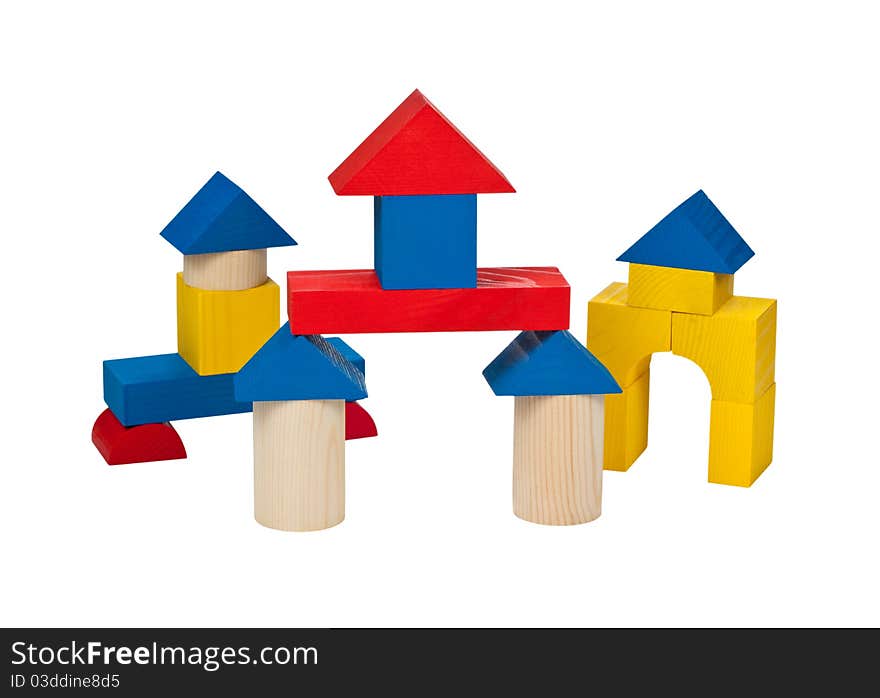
(225, 271)
(299, 464)
(557, 458)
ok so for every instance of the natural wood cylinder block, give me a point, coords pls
(299, 464)
(557, 458)
(225, 271)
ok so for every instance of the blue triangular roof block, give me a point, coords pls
(695, 235)
(222, 217)
(298, 367)
(548, 363)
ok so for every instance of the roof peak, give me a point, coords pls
(416, 150)
(694, 235)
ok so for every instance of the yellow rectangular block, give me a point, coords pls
(626, 424)
(735, 347)
(741, 439)
(219, 331)
(623, 337)
(681, 290)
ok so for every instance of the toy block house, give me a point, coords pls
(558, 429)
(227, 307)
(424, 175)
(680, 299)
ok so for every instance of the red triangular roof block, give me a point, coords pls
(417, 150)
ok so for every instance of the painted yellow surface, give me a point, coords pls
(218, 331)
(741, 439)
(681, 290)
(735, 347)
(626, 424)
(623, 337)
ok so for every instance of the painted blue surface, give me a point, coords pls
(299, 367)
(695, 235)
(163, 388)
(222, 217)
(348, 353)
(425, 241)
(548, 363)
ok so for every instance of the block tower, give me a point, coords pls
(227, 308)
(680, 298)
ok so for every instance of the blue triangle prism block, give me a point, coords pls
(299, 367)
(548, 363)
(695, 235)
(221, 217)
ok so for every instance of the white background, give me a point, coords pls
(604, 119)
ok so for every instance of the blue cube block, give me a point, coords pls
(426, 241)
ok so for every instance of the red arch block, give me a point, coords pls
(358, 422)
(140, 444)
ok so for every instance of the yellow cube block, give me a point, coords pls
(735, 347)
(219, 331)
(626, 424)
(741, 439)
(623, 337)
(681, 290)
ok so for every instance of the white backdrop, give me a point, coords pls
(603, 118)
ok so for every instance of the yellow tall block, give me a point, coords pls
(623, 337)
(735, 347)
(741, 439)
(626, 424)
(681, 290)
(219, 331)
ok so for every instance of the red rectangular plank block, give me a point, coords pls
(352, 301)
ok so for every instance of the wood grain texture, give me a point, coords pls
(352, 301)
(557, 458)
(681, 290)
(225, 271)
(735, 347)
(299, 464)
(623, 337)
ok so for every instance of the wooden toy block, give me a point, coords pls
(299, 367)
(695, 235)
(735, 347)
(417, 150)
(222, 217)
(218, 331)
(623, 337)
(741, 439)
(548, 363)
(164, 388)
(557, 458)
(626, 424)
(140, 444)
(358, 422)
(682, 290)
(426, 241)
(225, 271)
(299, 464)
(353, 301)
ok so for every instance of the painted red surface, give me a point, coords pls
(417, 150)
(352, 301)
(358, 422)
(140, 444)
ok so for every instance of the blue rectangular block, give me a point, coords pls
(426, 241)
(163, 388)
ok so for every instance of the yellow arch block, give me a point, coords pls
(626, 424)
(735, 347)
(681, 290)
(741, 439)
(219, 331)
(623, 337)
